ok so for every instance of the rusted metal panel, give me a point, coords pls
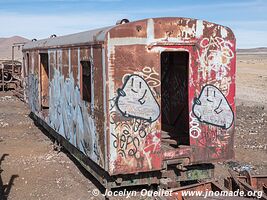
(211, 50)
(180, 29)
(75, 64)
(185, 152)
(212, 124)
(85, 53)
(135, 129)
(52, 63)
(66, 62)
(35, 62)
(247, 182)
(138, 29)
(96, 53)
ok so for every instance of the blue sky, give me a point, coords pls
(41, 18)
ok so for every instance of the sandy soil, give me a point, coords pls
(33, 169)
(251, 119)
(31, 166)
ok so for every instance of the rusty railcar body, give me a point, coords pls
(143, 102)
(10, 74)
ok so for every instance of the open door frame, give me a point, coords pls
(44, 79)
(174, 97)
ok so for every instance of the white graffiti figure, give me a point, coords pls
(135, 99)
(212, 107)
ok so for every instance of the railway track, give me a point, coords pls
(235, 186)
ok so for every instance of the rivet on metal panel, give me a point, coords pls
(138, 28)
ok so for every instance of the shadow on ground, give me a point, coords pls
(5, 188)
(58, 147)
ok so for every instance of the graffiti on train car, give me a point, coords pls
(134, 111)
(140, 96)
(128, 135)
(215, 57)
(150, 75)
(68, 115)
(134, 139)
(195, 130)
(223, 85)
(212, 107)
(33, 96)
(136, 100)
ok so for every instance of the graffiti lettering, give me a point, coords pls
(128, 135)
(216, 57)
(133, 115)
(194, 127)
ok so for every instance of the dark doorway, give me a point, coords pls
(44, 78)
(174, 98)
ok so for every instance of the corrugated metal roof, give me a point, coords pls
(97, 35)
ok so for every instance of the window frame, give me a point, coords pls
(83, 65)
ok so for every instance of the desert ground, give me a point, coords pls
(33, 168)
(251, 120)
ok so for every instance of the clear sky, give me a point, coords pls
(42, 18)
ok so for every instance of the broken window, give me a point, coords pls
(86, 80)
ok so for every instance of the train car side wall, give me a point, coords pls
(68, 95)
(137, 94)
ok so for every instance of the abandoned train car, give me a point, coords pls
(10, 74)
(144, 102)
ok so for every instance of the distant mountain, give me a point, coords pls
(6, 48)
(259, 50)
